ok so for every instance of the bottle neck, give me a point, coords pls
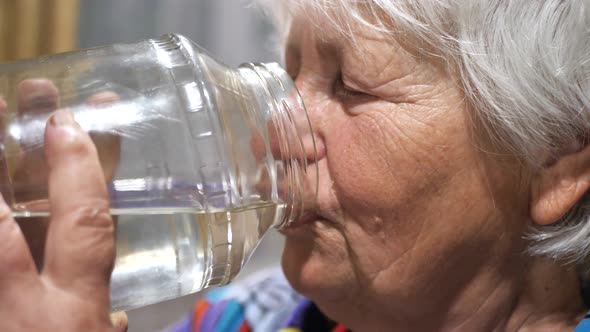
(260, 121)
(286, 122)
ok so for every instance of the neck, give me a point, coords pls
(533, 295)
(549, 299)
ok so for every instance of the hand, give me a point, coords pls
(72, 291)
(29, 170)
(29, 173)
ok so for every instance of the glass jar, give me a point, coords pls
(200, 159)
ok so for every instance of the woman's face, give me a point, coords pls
(412, 203)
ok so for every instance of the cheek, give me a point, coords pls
(316, 262)
(356, 165)
(377, 162)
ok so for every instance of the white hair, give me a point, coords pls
(525, 70)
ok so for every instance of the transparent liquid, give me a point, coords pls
(165, 253)
(161, 256)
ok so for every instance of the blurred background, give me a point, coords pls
(233, 31)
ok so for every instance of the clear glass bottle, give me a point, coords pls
(200, 159)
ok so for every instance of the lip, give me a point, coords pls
(308, 217)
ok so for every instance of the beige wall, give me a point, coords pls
(29, 28)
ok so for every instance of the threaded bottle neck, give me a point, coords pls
(256, 100)
(287, 123)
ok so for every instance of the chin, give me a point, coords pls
(317, 270)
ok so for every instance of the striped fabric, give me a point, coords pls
(263, 303)
(266, 303)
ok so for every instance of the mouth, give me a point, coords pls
(308, 218)
(304, 220)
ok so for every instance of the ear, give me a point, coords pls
(558, 186)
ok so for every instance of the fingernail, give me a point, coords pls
(62, 118)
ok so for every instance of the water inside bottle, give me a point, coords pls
(162, 256)
(165, 253)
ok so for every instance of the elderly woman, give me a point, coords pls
(454, 161)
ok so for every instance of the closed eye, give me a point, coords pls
(345, 92)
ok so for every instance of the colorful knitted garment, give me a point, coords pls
(263, 303)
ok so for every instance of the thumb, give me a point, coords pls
(120, 321)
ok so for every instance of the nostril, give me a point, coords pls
(308, 141)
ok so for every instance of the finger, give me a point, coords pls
(37, 96)
(80, 244)
(103, 98)
(16, 262)
(5, 187)
(32, 231)
(107, 145)
(34, 96)
(120, 321)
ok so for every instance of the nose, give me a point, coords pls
(311, 120)
(299, 138)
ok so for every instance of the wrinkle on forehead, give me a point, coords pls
(346, 32)
(374, 64)
(330, 42)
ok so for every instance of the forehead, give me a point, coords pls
(328, 27)
(342, 31)
(338, 38)
(358, 34)
(359, 50)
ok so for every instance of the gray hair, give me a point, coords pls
(525, 70)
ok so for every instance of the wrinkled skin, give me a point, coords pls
(72, 291)
(419, 215)
(41, 96)
(65, 266)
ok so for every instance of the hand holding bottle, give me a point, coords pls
(29, 169)
(80, 244)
